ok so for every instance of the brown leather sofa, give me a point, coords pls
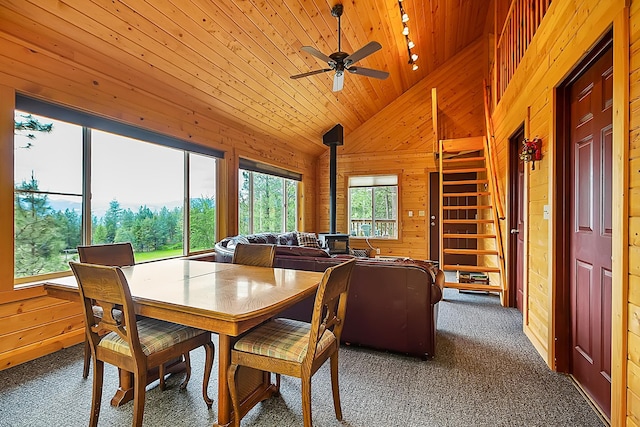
(392, 305)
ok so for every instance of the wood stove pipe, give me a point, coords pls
(332, 139)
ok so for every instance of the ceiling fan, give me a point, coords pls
(342, 61)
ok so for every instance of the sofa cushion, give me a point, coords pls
(267, 238)
(309, 240)
(231, 244)
(288, 239)
(301, 251)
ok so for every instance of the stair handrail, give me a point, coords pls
(491, 148)
(497, 213)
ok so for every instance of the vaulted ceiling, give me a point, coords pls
(233, 60)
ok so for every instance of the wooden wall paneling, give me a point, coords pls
(124, 47)
(620, 219)
(543, 67)
(202, 108)
(408, 117)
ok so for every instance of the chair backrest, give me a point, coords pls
(256, 254)
(330, 304)
(107, 287)
(114, 254)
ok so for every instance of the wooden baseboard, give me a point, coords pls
(50, 345)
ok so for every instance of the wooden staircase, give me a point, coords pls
(470, 238)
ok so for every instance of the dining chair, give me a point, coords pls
(256, 254)
(114, 254)
(298, 349)
(135, 345)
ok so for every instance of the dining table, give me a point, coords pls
(226, 299)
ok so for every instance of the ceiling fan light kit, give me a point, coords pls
(341, 61)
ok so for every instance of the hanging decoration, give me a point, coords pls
(531, 151)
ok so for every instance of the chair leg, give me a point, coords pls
(233, 391)
(96, 399)
(277, 392)
(335, 386)
(210, 352)
(161, 374)
(187, 362)
(140, 382)
(87, 359)
(306, 401)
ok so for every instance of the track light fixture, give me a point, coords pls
(405, 32)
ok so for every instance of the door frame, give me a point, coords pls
(512, 220)
(562, 202)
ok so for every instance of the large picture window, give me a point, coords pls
(373, 206)
(75, 184)
(266, 203)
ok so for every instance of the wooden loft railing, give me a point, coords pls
(520, 25)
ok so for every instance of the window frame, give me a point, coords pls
(89, 122)
(398, 175)
(288, 178)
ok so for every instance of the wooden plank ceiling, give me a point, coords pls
(231, 60)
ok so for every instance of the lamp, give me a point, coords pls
(405, 32)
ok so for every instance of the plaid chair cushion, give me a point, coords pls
(282, 339)
(155, 335)
(309, 240)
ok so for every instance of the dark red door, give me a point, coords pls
(590, 232)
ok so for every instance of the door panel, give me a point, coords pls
(590, 229)
(516, 221)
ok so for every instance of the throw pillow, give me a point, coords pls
(308, 240)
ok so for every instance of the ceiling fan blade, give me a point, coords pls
(311, 73)
(315, 52)
(338, 82)
(365, 50)
(376, 74)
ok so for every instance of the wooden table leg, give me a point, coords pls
(224, 399)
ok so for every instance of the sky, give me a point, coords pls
(132, 172)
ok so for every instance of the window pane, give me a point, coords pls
(48, 198)
(386, 200)
(39, 154)
(360, 211)
(202, 202)
(244, 206)
(137, 195)
(292, 204)
(267, 203)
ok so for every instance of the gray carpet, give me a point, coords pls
(485, 373)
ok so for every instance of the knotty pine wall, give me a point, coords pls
(399, 140)
(33, 324)
(566, 34)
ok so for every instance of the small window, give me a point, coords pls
(373, 206)
(266, 203)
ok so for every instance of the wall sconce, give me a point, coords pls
(531, 151)
(405, 32)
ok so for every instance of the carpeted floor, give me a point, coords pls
(485, 373)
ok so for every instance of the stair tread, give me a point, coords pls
(467, 221)
(464, 170)
(468, 236)
(466, 182)
(465, 207)
(467, 194)
(471, 251)
(462, 159)
(472, 287)
(471, 268)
